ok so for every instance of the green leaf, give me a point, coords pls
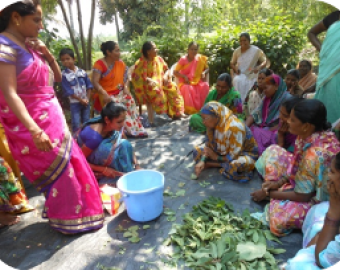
(181, 184)
(249, 251)
(181, 192)
(276, 251)
(146, 227)
(127, 234)
(134, 239)
(133, 228)
(255, 237)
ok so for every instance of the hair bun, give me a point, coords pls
(327, 126)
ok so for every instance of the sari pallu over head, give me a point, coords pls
(34, 87)
(218, 138)
(267, 114)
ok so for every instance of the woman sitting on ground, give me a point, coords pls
(191, 70)
(154, 87)
(247, 61)
(13, 199)
(109, 79)
(292, 82)
(321, 238)
(295, 182)
(225, 94)
(229, 144)
(265, 119)
(101, 141)
(256, 94)
(307, 76)
(285, 139)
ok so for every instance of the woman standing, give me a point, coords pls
(191, 70)
(328, 82)
(154, 87)
(295, 182)
(247, 61)
(225, 94)
(264, 121)
(109, 79)
(230, 145)
(35, 126)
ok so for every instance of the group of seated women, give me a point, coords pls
(153, 84)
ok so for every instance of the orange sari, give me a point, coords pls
(112, 80)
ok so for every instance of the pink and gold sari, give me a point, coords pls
(195, 93)
(73, 202)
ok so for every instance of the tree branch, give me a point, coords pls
(90, 35)
(81, 33)
(61, 4)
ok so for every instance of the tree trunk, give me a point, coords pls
(81, 33)
(117, 26)
(187, 17)
(74, 43)
(71, 15)
(90, 36)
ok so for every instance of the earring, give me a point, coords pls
(304, 130)
(17, 23)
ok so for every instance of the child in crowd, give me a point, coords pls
(77, 86)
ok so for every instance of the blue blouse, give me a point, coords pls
(90, 138)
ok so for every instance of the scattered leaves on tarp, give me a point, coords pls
(181, 184)
(132, 234)
(193, 176)
(212, 236)
(122, 251)
(180, 192)
(161, 166)
(182, 206)
(204, 184)
(220, 182)
(171, 215)
(120, 228)
(99, 266)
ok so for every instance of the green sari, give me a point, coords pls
(328, 82)
(232, 100)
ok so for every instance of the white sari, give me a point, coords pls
(245, 63)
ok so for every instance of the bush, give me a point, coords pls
(280, 37)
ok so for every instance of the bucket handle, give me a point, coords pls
(123, 197)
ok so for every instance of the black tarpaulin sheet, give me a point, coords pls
(32, 244)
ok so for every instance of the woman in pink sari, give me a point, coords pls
(37, 133)
(191, 71)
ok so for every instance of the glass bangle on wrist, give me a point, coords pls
(220, 159)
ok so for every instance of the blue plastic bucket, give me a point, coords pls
(142, 193)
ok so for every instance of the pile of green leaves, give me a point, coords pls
(214, 237)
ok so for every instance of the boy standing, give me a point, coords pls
(77, 86)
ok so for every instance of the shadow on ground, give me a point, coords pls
(31, 244)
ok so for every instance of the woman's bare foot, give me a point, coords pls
(7, 219)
